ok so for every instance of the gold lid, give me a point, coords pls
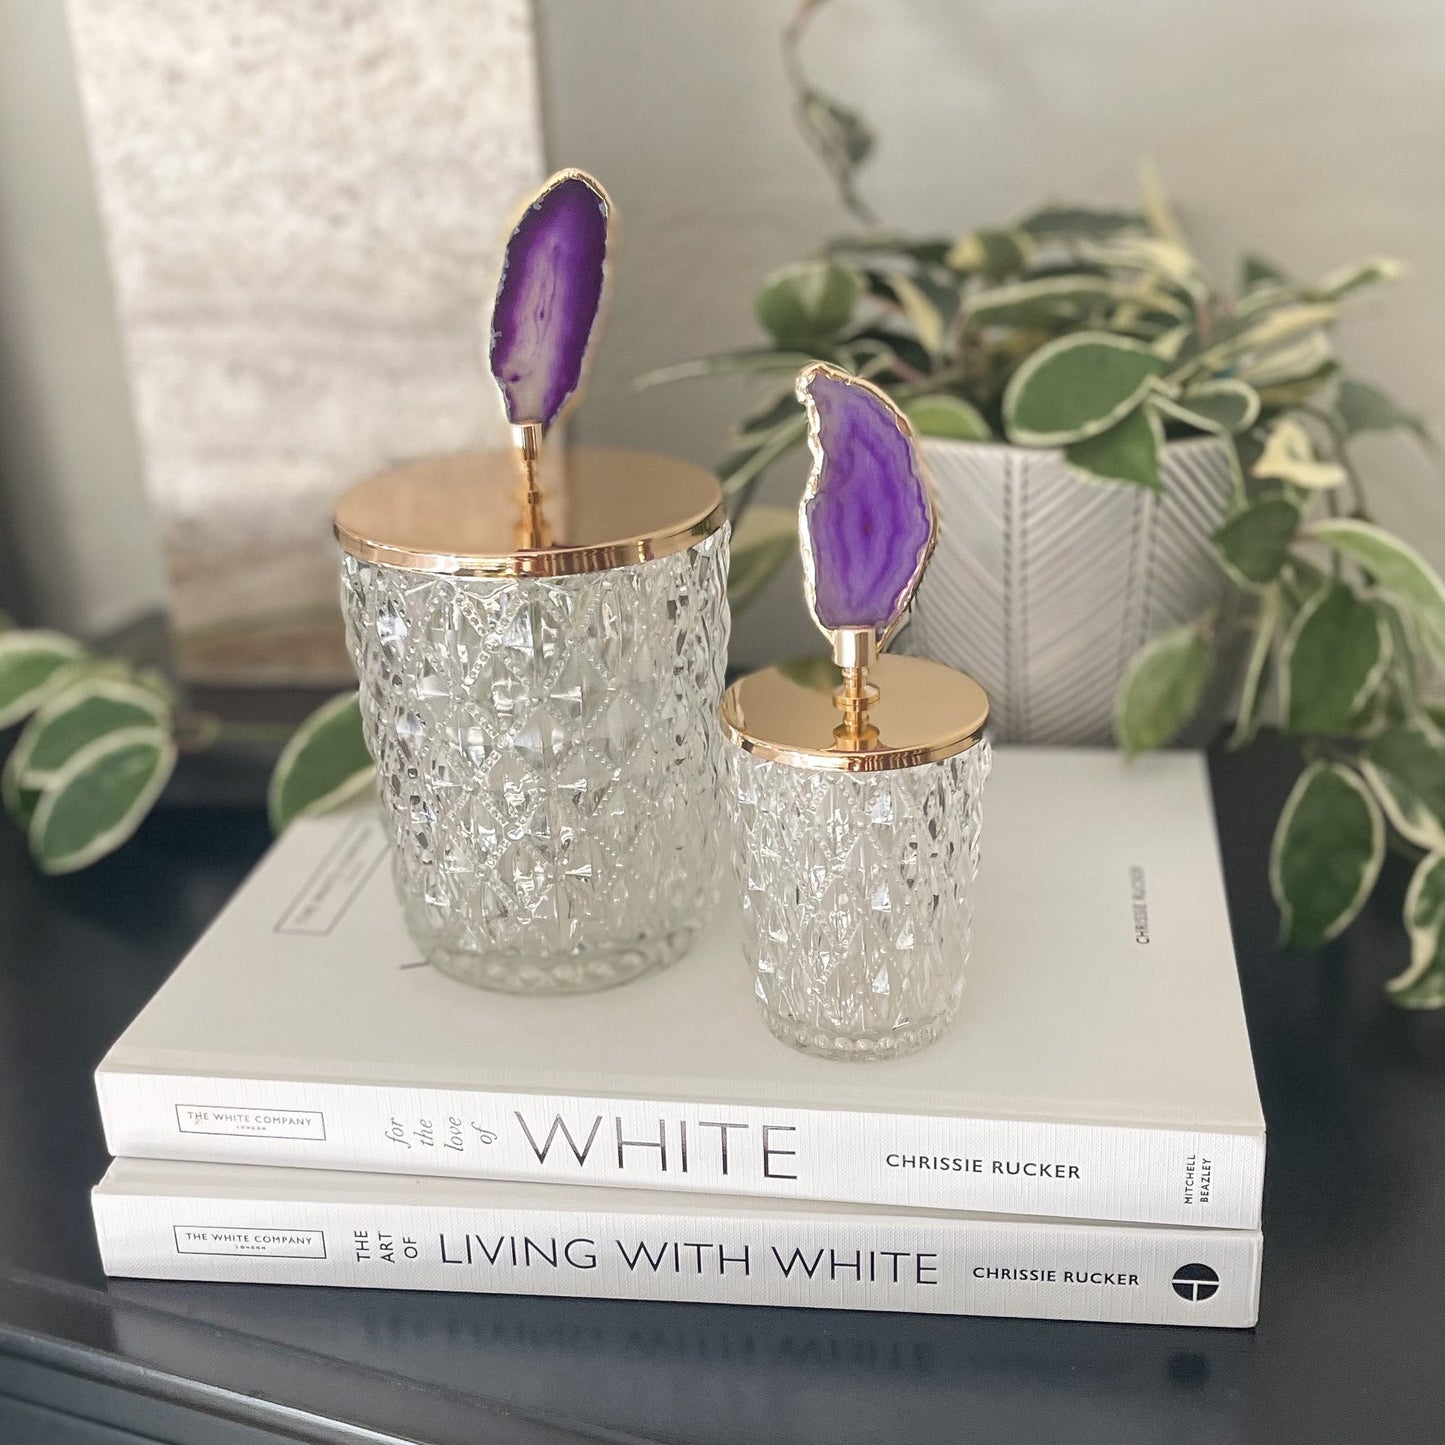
(468, 514)
(922, 712)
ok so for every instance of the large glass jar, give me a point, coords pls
(856, 866)
(544, 720)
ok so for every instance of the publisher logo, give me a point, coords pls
(338, 881)
(1195, 1282)
(262, 1123)
(240, 1240)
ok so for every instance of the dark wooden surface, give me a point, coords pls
(1349, 1346)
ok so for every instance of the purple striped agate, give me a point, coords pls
(866, 517)
(553, 271)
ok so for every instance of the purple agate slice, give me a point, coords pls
(553, 272)
(866, 517)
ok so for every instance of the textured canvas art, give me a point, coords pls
(305, 206)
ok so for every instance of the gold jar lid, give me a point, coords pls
(924, 712)
(467, 514)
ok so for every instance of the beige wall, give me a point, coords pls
(1309, 132)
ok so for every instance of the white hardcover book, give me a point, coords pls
(234, 1222)
(1099, 1066)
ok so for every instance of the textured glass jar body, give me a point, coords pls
(857, 897)
(547, 751)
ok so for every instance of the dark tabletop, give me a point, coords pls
(1350, 1345)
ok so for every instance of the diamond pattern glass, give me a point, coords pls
(547, 751)
(857, 897)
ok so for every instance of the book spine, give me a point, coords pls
(930, 1265)
(1140, 1175)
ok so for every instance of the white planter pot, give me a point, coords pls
(1044, 584)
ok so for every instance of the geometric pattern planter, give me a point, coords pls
(1044, 584)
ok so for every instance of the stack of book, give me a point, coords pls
(306, 1102)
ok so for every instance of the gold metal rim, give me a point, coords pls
(881, 761)
(926, 713)
(631, 507)
(551, 562)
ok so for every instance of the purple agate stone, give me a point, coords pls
(553, 272)
(866, 517)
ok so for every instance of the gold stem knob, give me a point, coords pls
(532, 529)
(855, 650)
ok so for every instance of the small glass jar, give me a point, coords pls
(540, 696)
(856, 863)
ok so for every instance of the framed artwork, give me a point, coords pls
(304, 207)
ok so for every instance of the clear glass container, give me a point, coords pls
(547, 750)
(856, 886)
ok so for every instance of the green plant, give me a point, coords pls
(100, 741)
(1095, 332)
(323, 765)
(1100, 333)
